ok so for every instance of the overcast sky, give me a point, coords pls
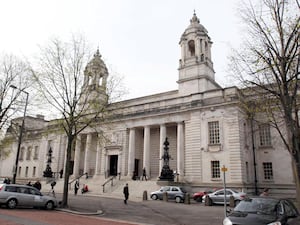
(137, 38)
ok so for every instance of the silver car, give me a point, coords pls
(217, 197)
(13, 195)
(173, 192)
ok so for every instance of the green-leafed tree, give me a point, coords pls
(267, 65)
(75, 86)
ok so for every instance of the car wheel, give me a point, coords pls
(177, 199)
(49, 205)
(154, 197)
(208, 201)
(12, 203)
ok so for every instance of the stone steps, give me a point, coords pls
(136, 187)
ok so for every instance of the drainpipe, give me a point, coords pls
(254, 158)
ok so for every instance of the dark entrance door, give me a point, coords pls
(136, 167)
(113, 165)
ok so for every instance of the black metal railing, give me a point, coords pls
(110, 180)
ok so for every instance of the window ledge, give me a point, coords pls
(214, 147)
(215, 179)
(265, 147)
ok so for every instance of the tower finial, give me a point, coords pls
(97, 52)
(195, 18)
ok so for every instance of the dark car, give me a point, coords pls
(262, 211)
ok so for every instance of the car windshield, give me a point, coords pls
(257, 205)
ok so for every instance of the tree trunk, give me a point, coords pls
(67, 173)
(296, 169)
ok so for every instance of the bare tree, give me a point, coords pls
(13, 73)
(78, 93)
(268, 67)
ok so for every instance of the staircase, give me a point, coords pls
(113, 188)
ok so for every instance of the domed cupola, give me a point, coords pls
(95, 78)
(196, 73)
(95, 73)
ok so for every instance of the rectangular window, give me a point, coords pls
(26, 171)
(21, 156)
(19, 171)
(264, 135)
(33, 171)
(36, 152)
(214, 132)
(28, 156)
(215, 169)
(268, 170)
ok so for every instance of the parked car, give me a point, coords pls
(13, 195)
(173, 192)
(198, 196)
(263, 211)
(217, 197)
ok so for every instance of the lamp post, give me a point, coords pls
(20, 135)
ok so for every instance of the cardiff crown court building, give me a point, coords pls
(204, 123)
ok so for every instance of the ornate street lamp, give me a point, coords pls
(20, 135)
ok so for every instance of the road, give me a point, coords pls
(115, 212)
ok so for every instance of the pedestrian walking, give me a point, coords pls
(76, 187)
(144, 174)
(61, 173)
(126, 193)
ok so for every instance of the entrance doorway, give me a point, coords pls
(113, 165)
(136, 167)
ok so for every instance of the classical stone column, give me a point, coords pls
(98, 155)
(146, 155)
(131, 153)
(180, 148)
(77, 156)
(162, 138)
(87, 153)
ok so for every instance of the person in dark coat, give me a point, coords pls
(37, 185)
(126, 193)
(144, 174)
(76, 187)
(61, 172)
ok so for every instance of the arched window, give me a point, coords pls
(191, 45)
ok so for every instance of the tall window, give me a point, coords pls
(264, 135)
(214, 132)
(21, 156)
(191, 45)
(36, 152)
(19, 171)
(28, 156)
(33, 171)
(215, 169)
(268, 170)
(26, 171)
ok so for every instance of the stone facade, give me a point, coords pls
(204, 123)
